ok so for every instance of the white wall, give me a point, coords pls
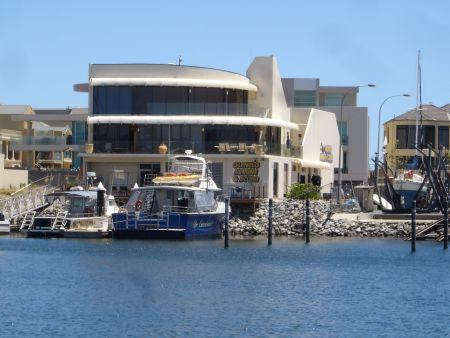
(11, 178)
(321, 130)
(358, 141)
(264, 73)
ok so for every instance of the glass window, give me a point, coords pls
(345, 162)
(427, 136)
(112, 138)
(406, 137)
(112, 100)
(79, 133)
(162, 100)
(343, 131)
(304, 98)
(125, 100)
(333, 99)
(99, 100)
(443, 136)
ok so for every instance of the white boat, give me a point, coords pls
(76, 214)
(181, 204)
(407, 185)
(4, 227)
(384, 203)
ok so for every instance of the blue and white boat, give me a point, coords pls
(407, 186)
(180, 204)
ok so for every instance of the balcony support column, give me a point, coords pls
(6, 150)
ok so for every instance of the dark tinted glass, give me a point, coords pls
(443, 136)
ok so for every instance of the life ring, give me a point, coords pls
(409, 174)
(138, 205)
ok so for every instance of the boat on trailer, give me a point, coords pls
(180, 204)
(72, 214)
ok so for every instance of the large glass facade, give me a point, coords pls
(115, 138)
(333, 99)
(343, 131)
(166, 100)
(305, 98)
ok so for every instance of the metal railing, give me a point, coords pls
(199, 147)
(199, 108)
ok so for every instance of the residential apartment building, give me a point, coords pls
(302, 94)
(139, 114)
(51, 138)
(12, 173)
(400, 133)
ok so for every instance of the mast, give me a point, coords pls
(418, 99)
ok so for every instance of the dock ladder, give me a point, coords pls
(28, 220)
(60, 221)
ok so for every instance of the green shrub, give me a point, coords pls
(301, 191)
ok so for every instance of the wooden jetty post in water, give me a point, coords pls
(269, 230)
(413, 227)
(307, 221)
(227, 217)
(446, 222)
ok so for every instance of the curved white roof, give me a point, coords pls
(191, 119)
(172, 82)
(166, 75)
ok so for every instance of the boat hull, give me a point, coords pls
(4, 228)
(408, 191)
(172, 226)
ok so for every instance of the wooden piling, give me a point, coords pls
(227, 217)
(446, 222)
(307, 221)
(413, 227)
(269, 230)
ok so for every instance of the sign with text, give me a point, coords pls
(246, 172)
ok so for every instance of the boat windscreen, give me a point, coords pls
(204, 200)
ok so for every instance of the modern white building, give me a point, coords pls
(302, 94)
(139, 114)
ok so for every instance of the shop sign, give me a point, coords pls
(326, 153)
(246, 172)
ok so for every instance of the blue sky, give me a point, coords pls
(46, 46)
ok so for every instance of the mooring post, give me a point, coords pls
(227, 217)
(413, 227)
(269, 230)
(307, 221)
(446, 222)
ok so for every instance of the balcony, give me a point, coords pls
(43, 143)
(207, 148)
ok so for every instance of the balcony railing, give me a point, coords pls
(40, 140)
(202, 108)
(210, 148)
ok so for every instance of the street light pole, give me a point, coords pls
(340, 140)
(377, 154)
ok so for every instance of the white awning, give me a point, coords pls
(176, 82)
(314, 164)
(191, 119)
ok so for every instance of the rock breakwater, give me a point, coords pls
(289, 220)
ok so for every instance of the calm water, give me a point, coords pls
(110, 288)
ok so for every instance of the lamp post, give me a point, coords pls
(340, 140)
(377, 154)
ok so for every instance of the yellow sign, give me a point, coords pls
(326, 153)
(246, 172)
